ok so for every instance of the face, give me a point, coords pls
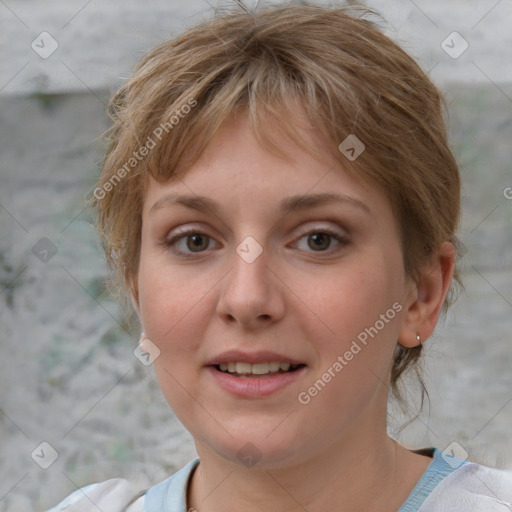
(275, 292)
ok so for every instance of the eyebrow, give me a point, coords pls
(287, 205)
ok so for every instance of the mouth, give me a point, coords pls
(255, 374)
(252, 370)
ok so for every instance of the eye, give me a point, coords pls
(320, 240)
(189, 242)
(192, 242)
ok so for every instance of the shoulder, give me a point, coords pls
(472, 487)
(171, 494)
(118, 495)
(114, 495)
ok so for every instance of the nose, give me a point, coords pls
(251, 295)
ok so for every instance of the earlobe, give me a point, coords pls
(427, 298)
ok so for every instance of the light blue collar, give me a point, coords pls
(441, 466)
(171, 494)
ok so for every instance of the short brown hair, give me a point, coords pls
(348, 76)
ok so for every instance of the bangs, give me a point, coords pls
(262, 88)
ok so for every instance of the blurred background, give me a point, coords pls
(76, 405)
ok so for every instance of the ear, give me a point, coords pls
(427, 297)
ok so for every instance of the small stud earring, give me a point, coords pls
(418, 338)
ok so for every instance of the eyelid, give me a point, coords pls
(307, 228)
(340, 234)
(189, 228)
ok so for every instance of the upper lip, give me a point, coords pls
(238, 356)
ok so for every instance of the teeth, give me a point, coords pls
(274, 367)
(260, 368)
(243, 368)
(255, 369)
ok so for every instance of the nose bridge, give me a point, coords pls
(250, 292)
(248, 277)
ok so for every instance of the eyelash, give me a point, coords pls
(171, 243)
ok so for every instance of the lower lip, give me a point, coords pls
(255, 386)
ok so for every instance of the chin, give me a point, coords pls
(254, 449)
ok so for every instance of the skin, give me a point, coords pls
(304, 296)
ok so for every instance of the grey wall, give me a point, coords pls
(68, 376)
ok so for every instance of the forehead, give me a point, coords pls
(236, 174)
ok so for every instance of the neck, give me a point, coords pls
(374, 475)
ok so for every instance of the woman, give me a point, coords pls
(280, 204)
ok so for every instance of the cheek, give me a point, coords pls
(352, 299)
(355, 311)
(171, 317)
(355, 336)
(166, 300)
